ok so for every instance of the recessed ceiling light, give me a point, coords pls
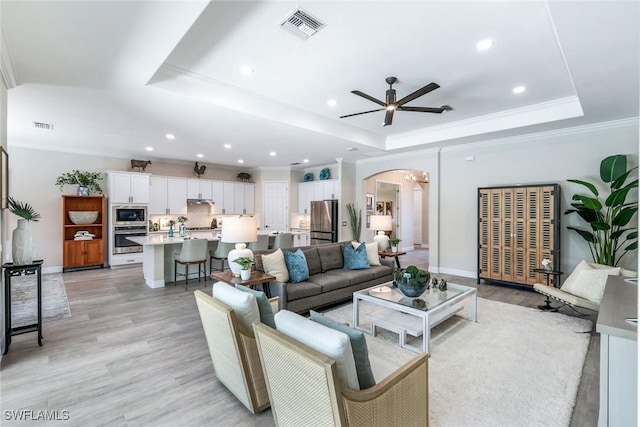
(306, 160)
(240, 161)
(170, 136)
(200, 155)
(272, 153)
(149, 148)
(484, 44)
(519, 89)
(332, 103)
(227, 146)
(246, 70)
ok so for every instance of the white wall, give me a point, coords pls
(4, 212)
(536, 158)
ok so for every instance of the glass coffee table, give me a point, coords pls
(406, 316)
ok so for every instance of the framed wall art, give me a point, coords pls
(368, 202)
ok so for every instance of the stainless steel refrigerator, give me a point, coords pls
(324, 222)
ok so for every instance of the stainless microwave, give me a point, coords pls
(129, 215)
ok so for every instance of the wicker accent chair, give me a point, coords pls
(234, 352)
(572, 301)
(305, 390)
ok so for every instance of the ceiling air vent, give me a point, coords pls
(295, 163)
(300, 23)
(40, 125)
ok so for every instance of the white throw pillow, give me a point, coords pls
(372, 252)
(244, 304)
(591, 284)
(331, 343)
(274, 264)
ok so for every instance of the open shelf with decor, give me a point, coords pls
(84, 232)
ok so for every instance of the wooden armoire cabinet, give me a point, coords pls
(518, 226)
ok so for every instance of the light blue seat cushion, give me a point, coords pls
(355, 259)
(358, 346)
(297, 266)
(264, 306)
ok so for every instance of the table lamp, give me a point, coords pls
(239, 230)
(381, 223)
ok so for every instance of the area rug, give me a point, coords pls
(24, 303)
(516, 366)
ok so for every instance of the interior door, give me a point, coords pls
(276, 205)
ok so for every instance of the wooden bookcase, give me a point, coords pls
(518, 226)
(81, 254)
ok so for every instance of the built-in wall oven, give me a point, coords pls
(128, 221)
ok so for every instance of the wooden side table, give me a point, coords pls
(384, 254)
(257, 278)
(11, 270)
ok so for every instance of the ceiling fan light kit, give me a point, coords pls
(391, 105)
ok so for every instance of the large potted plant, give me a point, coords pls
(21, 242)
(355, 218)
(86, 181)
(609, 236)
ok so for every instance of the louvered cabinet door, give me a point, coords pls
(517, 227)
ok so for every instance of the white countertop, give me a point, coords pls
(161, 239)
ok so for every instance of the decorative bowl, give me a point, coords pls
(308, 177)
(83, 217)
(412, 281)
(324, 174)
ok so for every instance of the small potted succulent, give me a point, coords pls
(245, 266)
(86, 181)
(394, 244)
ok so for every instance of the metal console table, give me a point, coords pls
(11, 270)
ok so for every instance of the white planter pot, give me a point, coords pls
(394, 249)
(21, 244)
(245, 274)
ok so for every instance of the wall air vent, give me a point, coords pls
(301, 23)
(40, 125)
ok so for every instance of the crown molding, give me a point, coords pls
(530, 137)
(6, 65)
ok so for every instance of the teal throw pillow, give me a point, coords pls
(355, 259)
(264, 306)
(358, 347)
(297, 266)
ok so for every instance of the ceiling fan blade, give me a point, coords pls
(426, 109)
(369, 97)
(388, 118)
(428, 88)
(364, 112)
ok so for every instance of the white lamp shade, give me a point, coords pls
(240, 230)
(381, 222)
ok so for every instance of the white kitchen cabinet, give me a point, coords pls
(303, 198)
(199, 189)
(168, 196)
(217, 194)
(249, 196)
(301, 239)
(228, 190)
(316, 190)
(330, 189)
(128, 188)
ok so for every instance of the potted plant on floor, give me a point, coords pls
(245, 266)
(21, 242)
(86, 181)
(394, 244)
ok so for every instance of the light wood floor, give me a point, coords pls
(134, 356)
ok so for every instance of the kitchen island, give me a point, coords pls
(158, 251)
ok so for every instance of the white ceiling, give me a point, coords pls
(115, 77)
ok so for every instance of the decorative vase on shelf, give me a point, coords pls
(170, 233)
(83, 190)
(245, 274)
(183, 230)
(21, 244)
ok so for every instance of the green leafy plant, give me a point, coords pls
(394, 241)
(76, 177)
(182, 219)
(355, 217)
(609, 237)
(245, 262)
(23, 210)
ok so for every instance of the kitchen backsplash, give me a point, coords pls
(199, 216)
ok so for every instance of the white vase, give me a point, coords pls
(245, 274)
(394, 249)
(21, 244)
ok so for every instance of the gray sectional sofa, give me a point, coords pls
(328, 281)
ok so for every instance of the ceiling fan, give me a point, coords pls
(391, 105)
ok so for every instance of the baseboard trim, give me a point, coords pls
(54, 269)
